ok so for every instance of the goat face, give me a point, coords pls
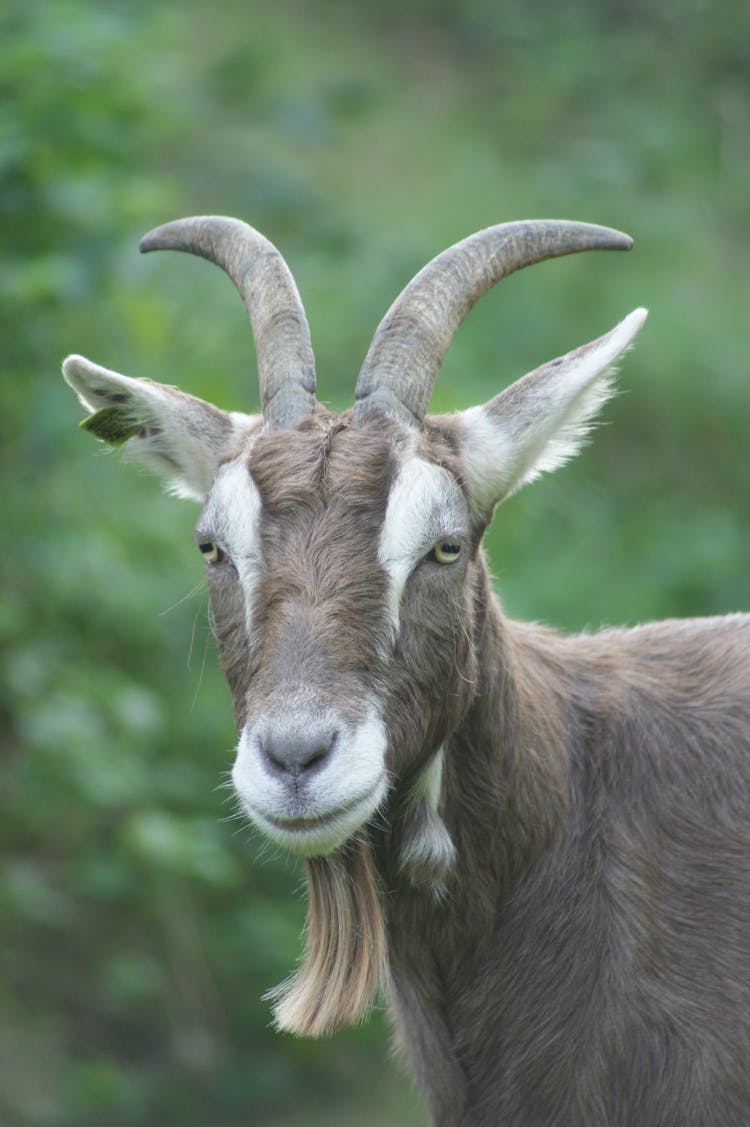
(342, 552)
(339, 562)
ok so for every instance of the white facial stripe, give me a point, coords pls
(233, 511)
(344, 794)
(425, 504)
(232, 517)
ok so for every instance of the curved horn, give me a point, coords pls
(286, 366)
(411, 341)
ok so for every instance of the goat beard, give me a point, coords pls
(345, 954)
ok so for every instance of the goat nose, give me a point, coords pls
(296, 753)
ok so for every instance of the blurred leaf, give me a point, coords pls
(138, 923)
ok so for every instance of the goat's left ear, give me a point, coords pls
(176, 435)
(540, 421)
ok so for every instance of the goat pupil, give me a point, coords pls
(446, 551)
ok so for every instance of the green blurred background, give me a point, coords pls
(140, 923)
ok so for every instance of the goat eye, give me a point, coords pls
(446, 551)
(211, 551)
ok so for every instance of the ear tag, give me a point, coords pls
(112, 424)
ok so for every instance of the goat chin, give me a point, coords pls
(345, 954)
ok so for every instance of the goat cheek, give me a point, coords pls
(228, 624)
(424, 692)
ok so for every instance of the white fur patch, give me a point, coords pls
(427, 852)
(231, 517)
(541, 421)
(317, 815)
(429, 785)
(425, 505)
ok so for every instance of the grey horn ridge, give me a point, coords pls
(410, 344)
(286, 365)
(403, 361)
(535, 846)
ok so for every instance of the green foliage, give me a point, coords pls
(138, 926)
(111, 424)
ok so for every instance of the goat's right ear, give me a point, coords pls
(176, 435)
(541, 420)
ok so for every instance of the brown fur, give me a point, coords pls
(563, 931)
(538, 845)
(586, 960)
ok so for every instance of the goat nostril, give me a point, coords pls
(296, 754)
(316, 758)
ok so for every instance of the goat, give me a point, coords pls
(537, 846)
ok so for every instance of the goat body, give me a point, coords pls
(589, 964)
(538, 846)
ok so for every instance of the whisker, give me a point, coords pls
(200, 585)
(203, 669)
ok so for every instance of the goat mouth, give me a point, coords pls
(307, 822)
(295, 825)
(314, 835)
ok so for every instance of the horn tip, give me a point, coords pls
(616, 240)
(622, 240)
(578, 235)
(153, 240)
(180, 234)
(159, 238)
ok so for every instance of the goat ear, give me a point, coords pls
(540, 421)
(178, 436)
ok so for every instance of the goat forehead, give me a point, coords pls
(322, 459)
(316, 466)
(325, 491)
